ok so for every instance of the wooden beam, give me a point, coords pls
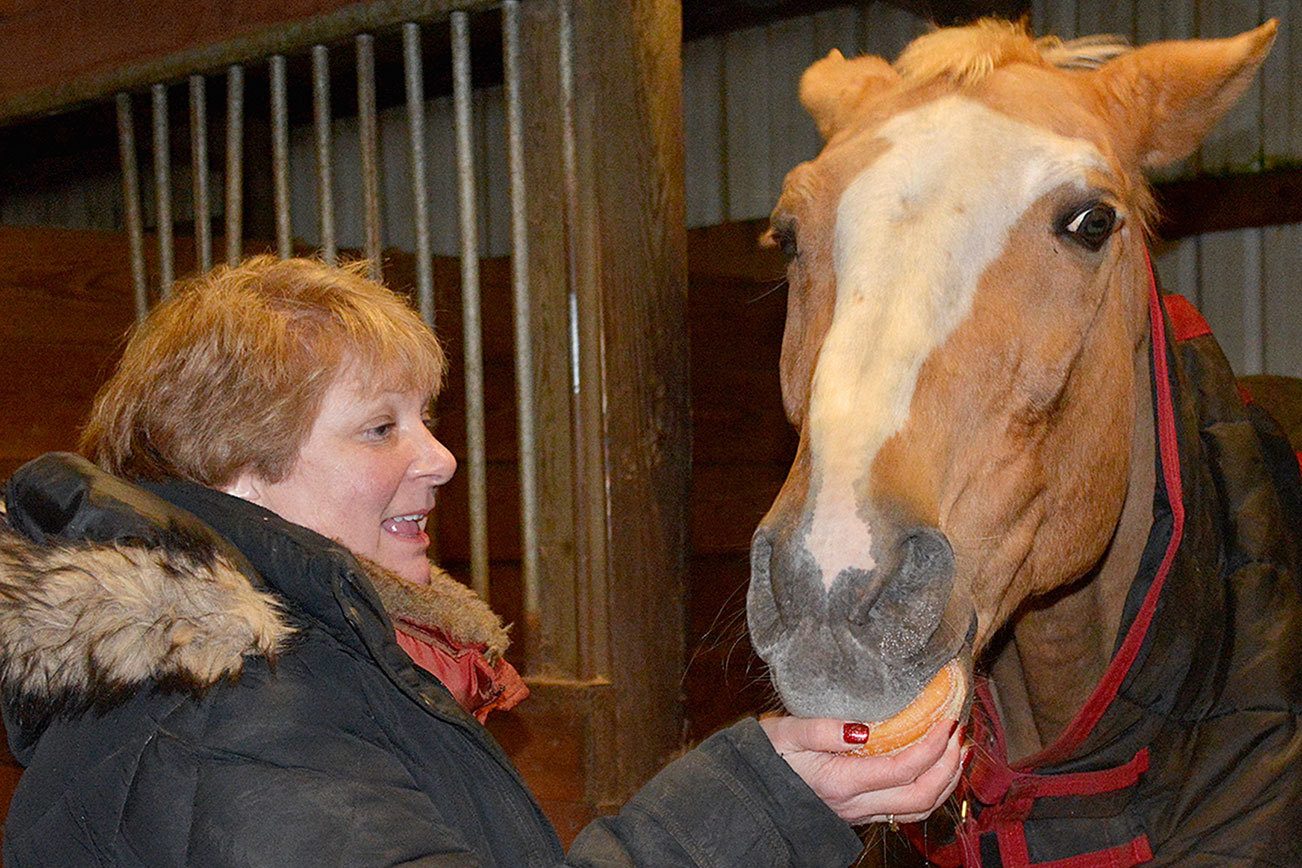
(56, 57)
(1251, 200)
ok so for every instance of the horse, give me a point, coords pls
(1022, 464)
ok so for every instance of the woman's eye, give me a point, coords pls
(1092, 226)
(379, 432)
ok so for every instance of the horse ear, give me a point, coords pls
(1167, 96)
(833, 87)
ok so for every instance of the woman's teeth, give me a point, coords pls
(406, 525)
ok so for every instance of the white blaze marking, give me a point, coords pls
(914, 232)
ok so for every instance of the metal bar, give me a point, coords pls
(234, 164)
(367, 132)
(285, 37)
(472, 337)
(199, 172)
(163, 187)
(131, 204)
(590, 496)
(280, 155)
(524, 388)
(416, 126)
(324, 175)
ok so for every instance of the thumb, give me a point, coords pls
(827, 735)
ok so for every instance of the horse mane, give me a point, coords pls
(966, 55)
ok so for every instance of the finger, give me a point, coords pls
(913, 801)
(907, 765)
(826, 735)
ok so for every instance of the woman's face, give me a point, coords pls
(366, 476)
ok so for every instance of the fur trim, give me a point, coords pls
(444, 603)
(85, 625)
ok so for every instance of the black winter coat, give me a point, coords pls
(125, 614)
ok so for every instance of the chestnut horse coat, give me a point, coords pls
(1191, 744)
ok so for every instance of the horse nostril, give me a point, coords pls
(868, 590)
(927, 555)
(763, 575)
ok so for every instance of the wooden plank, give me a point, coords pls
(629, 140)
(725, 680)
(557, 650)
(1193, 206)
(703, 130)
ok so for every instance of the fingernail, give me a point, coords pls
(952, 726)
(962, 732)
(965, 756)
(855, 733)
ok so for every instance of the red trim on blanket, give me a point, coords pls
(1087, 783)
(1186, 322)
(1106, 690)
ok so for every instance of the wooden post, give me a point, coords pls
(607, 277)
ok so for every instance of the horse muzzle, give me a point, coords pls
(864, 646)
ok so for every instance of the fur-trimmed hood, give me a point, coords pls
(82, 624)
(93, 608)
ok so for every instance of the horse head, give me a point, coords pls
(967, 296)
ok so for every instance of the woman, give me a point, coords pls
(201, 665)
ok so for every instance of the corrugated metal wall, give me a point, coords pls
(745, 129)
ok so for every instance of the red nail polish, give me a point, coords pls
(953, 726)
(855, 733)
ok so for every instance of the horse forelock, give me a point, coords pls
(966, 55)
(915, 230)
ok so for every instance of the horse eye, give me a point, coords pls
(1092, 226)
(783, 235)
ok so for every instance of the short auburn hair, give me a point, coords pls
(229, 373)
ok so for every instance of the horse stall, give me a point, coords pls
(576, 205)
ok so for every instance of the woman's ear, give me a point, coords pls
(247, 485)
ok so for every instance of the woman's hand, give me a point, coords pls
(902, 788)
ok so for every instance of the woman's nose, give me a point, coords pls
(435, 462)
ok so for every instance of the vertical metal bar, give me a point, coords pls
(523, 315)
(163, 187)
(416, 125)
(280, 155)
(593, 651)
(199, 172)
(476, 463)
(234, 163)
(366, 129)
(324, 175)
(131, 203)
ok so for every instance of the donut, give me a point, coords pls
(942, 698)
